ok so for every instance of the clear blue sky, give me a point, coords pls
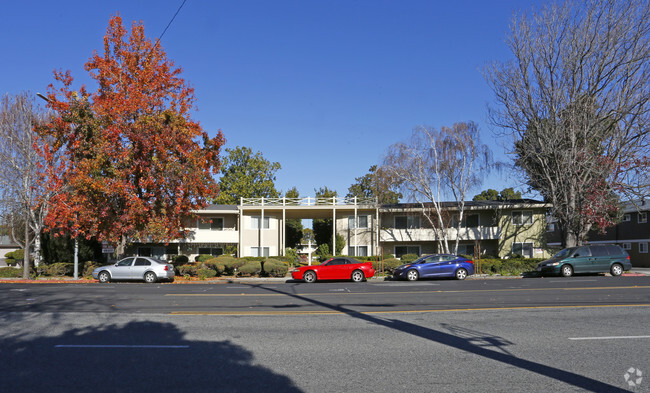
(322, 87)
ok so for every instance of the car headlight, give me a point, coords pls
(554, 264)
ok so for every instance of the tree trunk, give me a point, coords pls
(26, 253)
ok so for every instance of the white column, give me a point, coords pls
(241, 227)
(334, 226)
(284, 225)
(261, 238)
(356, 225)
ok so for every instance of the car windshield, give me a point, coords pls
(564, 253)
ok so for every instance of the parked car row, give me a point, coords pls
(345, 268)
(584, 259)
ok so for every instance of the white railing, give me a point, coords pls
(309, 201)
(422, 234)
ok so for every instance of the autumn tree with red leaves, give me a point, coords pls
(136, 164)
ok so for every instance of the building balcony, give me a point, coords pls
(427, 234)
(212, 236)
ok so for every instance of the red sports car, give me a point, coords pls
(337, 268)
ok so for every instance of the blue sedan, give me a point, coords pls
(437, 265)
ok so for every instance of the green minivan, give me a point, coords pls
(593, 258)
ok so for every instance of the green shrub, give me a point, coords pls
(13, 258)
(10, 272)
(206, 273)
(389, 265)
(276, 268)
(232, 265)
(89, 267)
(188, 270)
(203, 257)
(215, 265)
(407, 258)
(57, 269)
(250, 269)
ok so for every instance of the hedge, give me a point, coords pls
(10, 272)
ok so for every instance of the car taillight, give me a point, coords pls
(166, 268)
(628, 257)
(470, 261)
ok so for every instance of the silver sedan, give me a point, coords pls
(136, 268)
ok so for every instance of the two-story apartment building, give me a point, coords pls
(256, 227)
(487, 228)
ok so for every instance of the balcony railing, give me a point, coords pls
(309, 201)
(428, 234)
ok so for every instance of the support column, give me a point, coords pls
(261, 238)
(284, 226)
(241, 227)
(334, 226)
(356, 225)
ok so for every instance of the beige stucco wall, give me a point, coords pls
(532, 233)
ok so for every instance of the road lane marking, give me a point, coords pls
(348, 312)
(396, 293)
(125, 346)
(607, 338)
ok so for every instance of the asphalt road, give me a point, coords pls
(550, 335)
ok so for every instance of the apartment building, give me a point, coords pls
(256, 227)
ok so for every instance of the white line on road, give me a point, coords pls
(125, 346)
(607, 338)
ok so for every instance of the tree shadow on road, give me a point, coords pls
(135, 357)
(474, 342)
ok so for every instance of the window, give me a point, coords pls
(361, 251)
(403, 250)
(144, 251)
(141, 262)
(214, 251)
(643, 217)
(466, 249)
(407, 222)
(626, 246)
(471, 221)
(255, 222)
(550, 227)
(255, 251)
(522, 217)
(626, 217)
(523, 249)
(362, 220)
(643, 248)
(172, 249)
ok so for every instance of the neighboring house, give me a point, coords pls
(6, 246)
(632, 233)
(256, 227)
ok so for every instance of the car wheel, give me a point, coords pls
(616, 269)
(412, 275)
(104, 277)
(149, 277)
(461, 274)
(358, 276)
(309, 276)
(567, 270)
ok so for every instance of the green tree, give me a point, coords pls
(374, 184)
(246, 175)
(507, 194)
(293, 226)
(323, 226)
